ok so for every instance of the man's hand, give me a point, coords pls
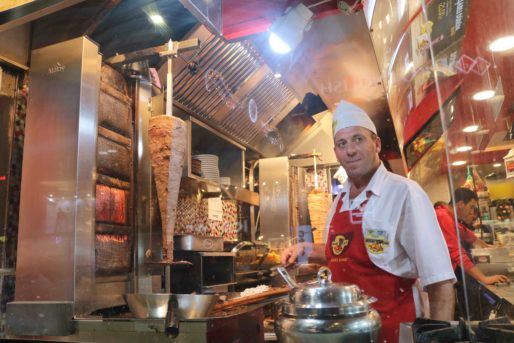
(316, 253)
(441, 297)
(489, 280)
(290, 255)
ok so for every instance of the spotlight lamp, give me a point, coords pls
(287, 31)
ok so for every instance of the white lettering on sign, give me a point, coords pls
(458, 16)
(56, 68)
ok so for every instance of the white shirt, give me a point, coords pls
(400, 214)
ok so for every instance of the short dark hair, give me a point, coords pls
(439, 203)
(463, 194)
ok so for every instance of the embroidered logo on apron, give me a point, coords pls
(377, 241)
(340, 242)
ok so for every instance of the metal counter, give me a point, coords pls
(241, 324)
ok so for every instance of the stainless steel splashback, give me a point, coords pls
(233, 90)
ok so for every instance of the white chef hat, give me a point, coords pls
(348, 114)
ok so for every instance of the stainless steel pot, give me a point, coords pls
(324, 311)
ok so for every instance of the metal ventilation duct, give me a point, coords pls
(233, 90)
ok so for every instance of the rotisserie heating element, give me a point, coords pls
(114, 236)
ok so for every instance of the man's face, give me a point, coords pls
(466, 212)
(357, 149)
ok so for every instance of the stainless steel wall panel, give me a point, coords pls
(274, 198)
(56, 230)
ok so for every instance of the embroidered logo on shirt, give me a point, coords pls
(377, 241)
(340, 242)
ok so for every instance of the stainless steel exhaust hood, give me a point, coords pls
(233, 90)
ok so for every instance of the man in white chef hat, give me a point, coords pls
(382, 232)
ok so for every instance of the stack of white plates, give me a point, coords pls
(210, 166)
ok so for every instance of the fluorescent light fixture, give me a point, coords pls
(157, 19)
(278, 45)
(502, 44)
(278, 75)
(458, 163)
(287, 31)
(470, 128)
(497, 165)
(463, 148)
(483, 95)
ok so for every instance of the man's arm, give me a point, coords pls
(316, 253)
(475, 273)
(441, 297)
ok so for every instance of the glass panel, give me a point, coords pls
(473, 69)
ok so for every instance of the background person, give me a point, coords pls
(464, 202)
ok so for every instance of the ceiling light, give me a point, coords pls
(278, 75)
(157, 19)
(470, 128)
(287, 31)
(483, 95)
(278, 45)
(502, 44)
(458, 163)
(497, 165)
(463, 148)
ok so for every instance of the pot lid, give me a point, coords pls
(324, 297)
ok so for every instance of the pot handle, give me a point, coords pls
(287, 278)
(371, 300)
(172, 321)
(324, 276)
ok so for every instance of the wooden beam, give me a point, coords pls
(102, 14)
(24, 13)
(9, 4)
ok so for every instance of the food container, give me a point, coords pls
(323, 311)
(250, 255)
(185, 306)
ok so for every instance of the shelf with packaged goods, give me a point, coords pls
(216, 164)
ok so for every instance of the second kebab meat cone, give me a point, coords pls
(168, 139)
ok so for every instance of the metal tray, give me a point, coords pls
(195, 243)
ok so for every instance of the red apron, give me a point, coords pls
(349, 262)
